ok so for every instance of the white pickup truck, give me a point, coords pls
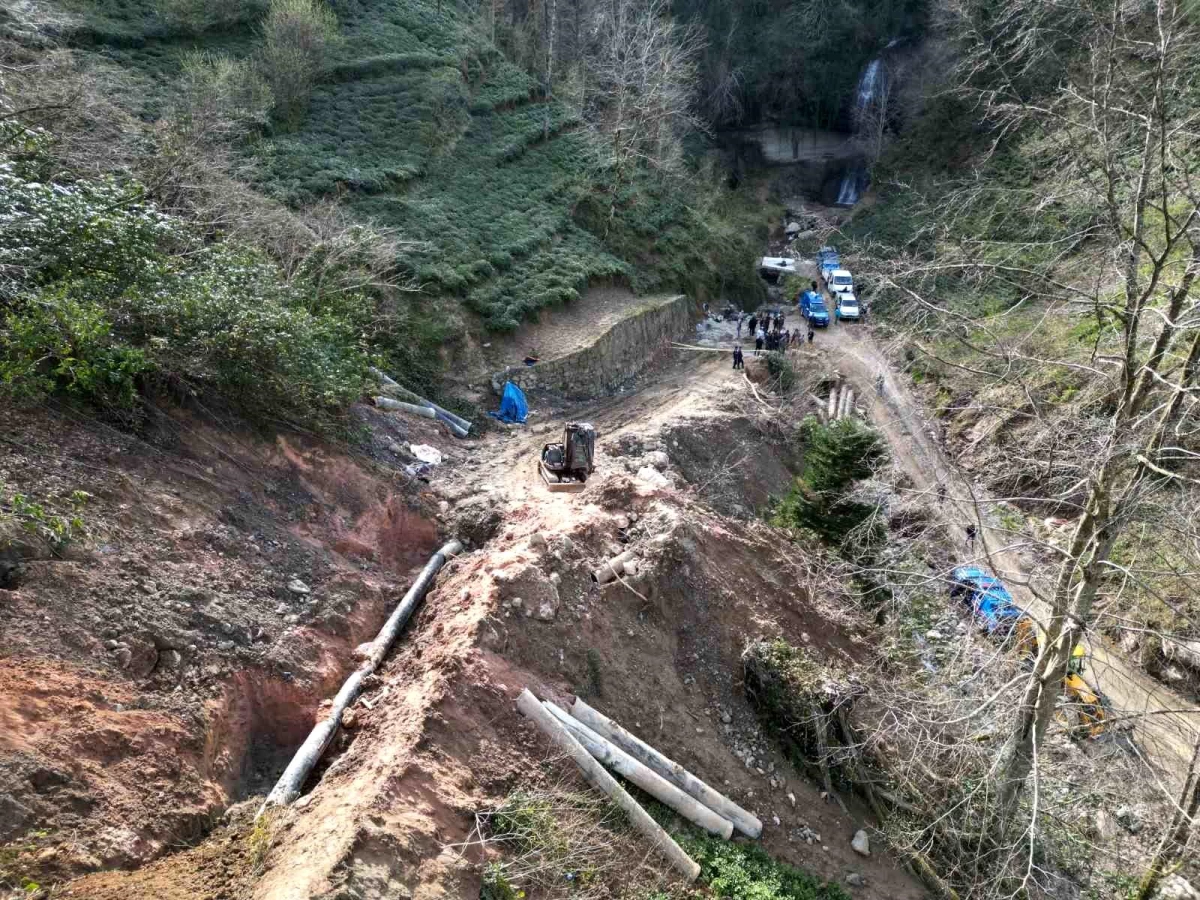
(845, 307)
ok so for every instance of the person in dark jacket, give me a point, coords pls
(753, 323)
(738, 359)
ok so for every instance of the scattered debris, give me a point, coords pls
(426, 454)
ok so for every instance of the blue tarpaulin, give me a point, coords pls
(513, 407)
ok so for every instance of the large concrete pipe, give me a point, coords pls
(457, 424)
(833, 403)
(614, 568)
(400, 406)
(532, 708)
(743, 821)
(844, 402)
(641, 775)
(287, 788)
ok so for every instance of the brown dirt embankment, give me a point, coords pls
(160, 666)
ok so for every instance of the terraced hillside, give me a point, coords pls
(419, 123)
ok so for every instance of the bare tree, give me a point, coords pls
(1175, 839)
(1116, 102)
(642, 86)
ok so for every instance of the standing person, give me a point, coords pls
(738, 359)
(741, 316)
(758, 342)
(811, 334)
(971, 532)
(753, 323)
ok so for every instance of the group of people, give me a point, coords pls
(769, 332)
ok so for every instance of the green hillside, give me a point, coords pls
(418, 123)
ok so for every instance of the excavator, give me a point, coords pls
(565, 466)
(1086, 712)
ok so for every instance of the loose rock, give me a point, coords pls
(861, 843)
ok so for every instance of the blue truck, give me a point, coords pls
(812, 307)
(828, 260)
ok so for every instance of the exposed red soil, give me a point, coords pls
(154, 672)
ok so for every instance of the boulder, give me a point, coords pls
(861, 844)
(1129, 819)
(658, 459)
(1104, 825)
(1176, 887)
(652, 477)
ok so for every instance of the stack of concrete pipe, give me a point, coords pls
(594, 741)
(414, 403)
(841, 402)
(621, 564)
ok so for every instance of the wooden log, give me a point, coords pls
(596, 775)
(743, 821)
(641, 775)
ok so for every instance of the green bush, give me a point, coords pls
(296, 38)
(747, 872)
(835, 456)
(195, 16)
(101, 292)
(782, 370)
(223, 95)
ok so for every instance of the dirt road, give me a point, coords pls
(1165, 724)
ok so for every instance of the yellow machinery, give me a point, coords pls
(1086, 710)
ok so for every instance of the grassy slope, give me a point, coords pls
(420, 124)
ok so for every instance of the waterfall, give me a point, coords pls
(871, 84)
(853, 182)
(868, 86)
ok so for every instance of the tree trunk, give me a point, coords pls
(1170, 852)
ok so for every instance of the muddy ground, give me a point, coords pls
(156, 678)
(157, 673)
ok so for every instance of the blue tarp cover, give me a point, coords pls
(513, 407)
(991, 599)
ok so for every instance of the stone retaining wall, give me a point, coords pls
(614, 359)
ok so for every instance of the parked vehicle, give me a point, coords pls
(845, 308)
(839, 281)
(828, 260)
(990, 600)
(1086, 710)
(812, 307)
